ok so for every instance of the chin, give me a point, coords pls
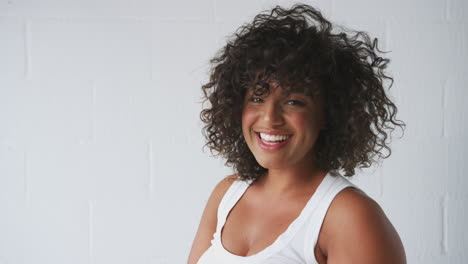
(271, 164)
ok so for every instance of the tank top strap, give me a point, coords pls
(316, 218)
(230, 198)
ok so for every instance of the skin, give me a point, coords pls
(355, 229)
(297, 114)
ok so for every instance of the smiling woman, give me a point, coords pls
(274, 115)
(292, 105)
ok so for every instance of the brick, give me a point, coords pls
(14, 110)
(113, 109)
(416, 216)
(90, 48)
(48, 110)
(455, 179)
(57, 232)
(457, 10)
(192, 10)
(141, 109)
(200, 11)
(70, 8)
(399, 10)
(240, 11)
(457, 234)
(416, 164)
(418, 53)
(438, 219)
(12, 48)
(184, 68)
(455, 111)
(369, 180)
(167, 171)
(132, 108)
(13, 227)
(127, 231)
(60, 172)
(99, 171)
(54, 110)
(427, 50)
(189, 53)
(12, 172)
(416, 98)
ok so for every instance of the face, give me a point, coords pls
(297, 117)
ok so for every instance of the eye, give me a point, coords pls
(255, 99)
(295, 102)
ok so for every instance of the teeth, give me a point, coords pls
(273, 137)
(269, 143)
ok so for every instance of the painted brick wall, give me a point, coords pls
(101, 155)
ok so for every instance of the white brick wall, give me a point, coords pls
(100, 138)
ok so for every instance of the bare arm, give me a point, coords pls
(208, 221)
(356, 230)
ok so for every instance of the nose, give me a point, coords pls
(272, 114)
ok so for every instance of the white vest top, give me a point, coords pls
(296, 245)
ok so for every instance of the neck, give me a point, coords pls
(292, 179)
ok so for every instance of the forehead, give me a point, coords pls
(264, 82)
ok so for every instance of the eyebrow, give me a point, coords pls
(295, 90)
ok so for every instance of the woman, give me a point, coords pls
(292, 103)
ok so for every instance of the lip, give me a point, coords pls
(272, 132)
(271, 147)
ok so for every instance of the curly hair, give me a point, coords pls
(297, 48)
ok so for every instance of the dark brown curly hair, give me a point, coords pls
(297, 48)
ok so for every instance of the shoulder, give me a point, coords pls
(208, 221)
(226, 182)
(221, 188)
(216, 196)
(356, 230)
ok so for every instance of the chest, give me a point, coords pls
(253, 225)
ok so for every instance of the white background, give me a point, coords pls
(101, 155)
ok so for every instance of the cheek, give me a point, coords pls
(248, 116)
(302, 120)
(306, 122)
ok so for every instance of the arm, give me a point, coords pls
(356, 230)
(208, 221)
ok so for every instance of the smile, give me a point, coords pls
(273, 138)
(272, 142)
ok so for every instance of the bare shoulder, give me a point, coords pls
(220, 190)
(208, 221)
(356, 230)
(225, 183)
